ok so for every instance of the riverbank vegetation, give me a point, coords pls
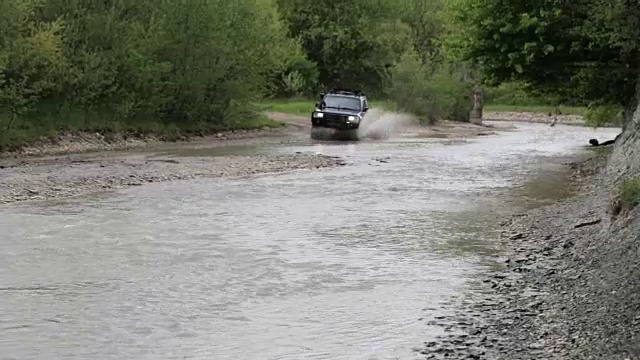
(137, 66)
(194, 67)
(581, 53)
(630, 193)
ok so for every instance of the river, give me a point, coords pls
(346, 263)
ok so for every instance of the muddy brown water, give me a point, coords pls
(347, 263)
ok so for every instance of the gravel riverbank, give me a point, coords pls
(76, 164)
(61, 178)
(569, 287)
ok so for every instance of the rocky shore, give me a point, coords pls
(569, 287)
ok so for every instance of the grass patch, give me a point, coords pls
(538, 109)
(630, 193)
(626, 198)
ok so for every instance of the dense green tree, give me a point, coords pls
(428, 27)
(197, 66)
(127, 64)
(353, 42)
(580, 50)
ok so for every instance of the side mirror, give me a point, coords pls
(317, 105)
(365, 108)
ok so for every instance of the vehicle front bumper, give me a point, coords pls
(335, 122)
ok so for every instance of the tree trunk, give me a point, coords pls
(632, 106)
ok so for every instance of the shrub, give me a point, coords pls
(630, 193)
(430, 96)
(626, 197)
(596, 115)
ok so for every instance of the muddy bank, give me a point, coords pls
(568, 287)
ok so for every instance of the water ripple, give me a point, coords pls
(347, 263)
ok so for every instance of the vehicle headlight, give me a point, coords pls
(318, 115)
(353, 118)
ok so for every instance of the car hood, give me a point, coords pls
(339, 112)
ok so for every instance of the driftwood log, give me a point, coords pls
(594, 142)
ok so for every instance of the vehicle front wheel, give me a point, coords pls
(318, 133)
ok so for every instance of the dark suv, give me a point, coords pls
(340, 110)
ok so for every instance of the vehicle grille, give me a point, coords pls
(335, 117)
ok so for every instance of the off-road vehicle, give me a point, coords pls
(341, 110)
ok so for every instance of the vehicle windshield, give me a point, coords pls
(341, 103)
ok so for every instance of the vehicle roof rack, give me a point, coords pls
(344, 91)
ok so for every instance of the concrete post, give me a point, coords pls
(478, 103)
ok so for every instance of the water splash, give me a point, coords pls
(379, 124)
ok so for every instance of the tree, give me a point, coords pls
(443, 95)
(354, 43)
(571, 49)
(427, 26)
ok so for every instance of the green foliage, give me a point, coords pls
(428, 27)
(387, 48)
(630, 193)
(581, 51)
(596, 116)
(430, 96)
(183, 67)
(512, 94)
(84, 65)
(352, 42)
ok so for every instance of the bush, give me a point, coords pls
(431, 97)
(626, 197)
(298, 79)
(85, 65)
(630, 193)
(512, 94)
(596, 116)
